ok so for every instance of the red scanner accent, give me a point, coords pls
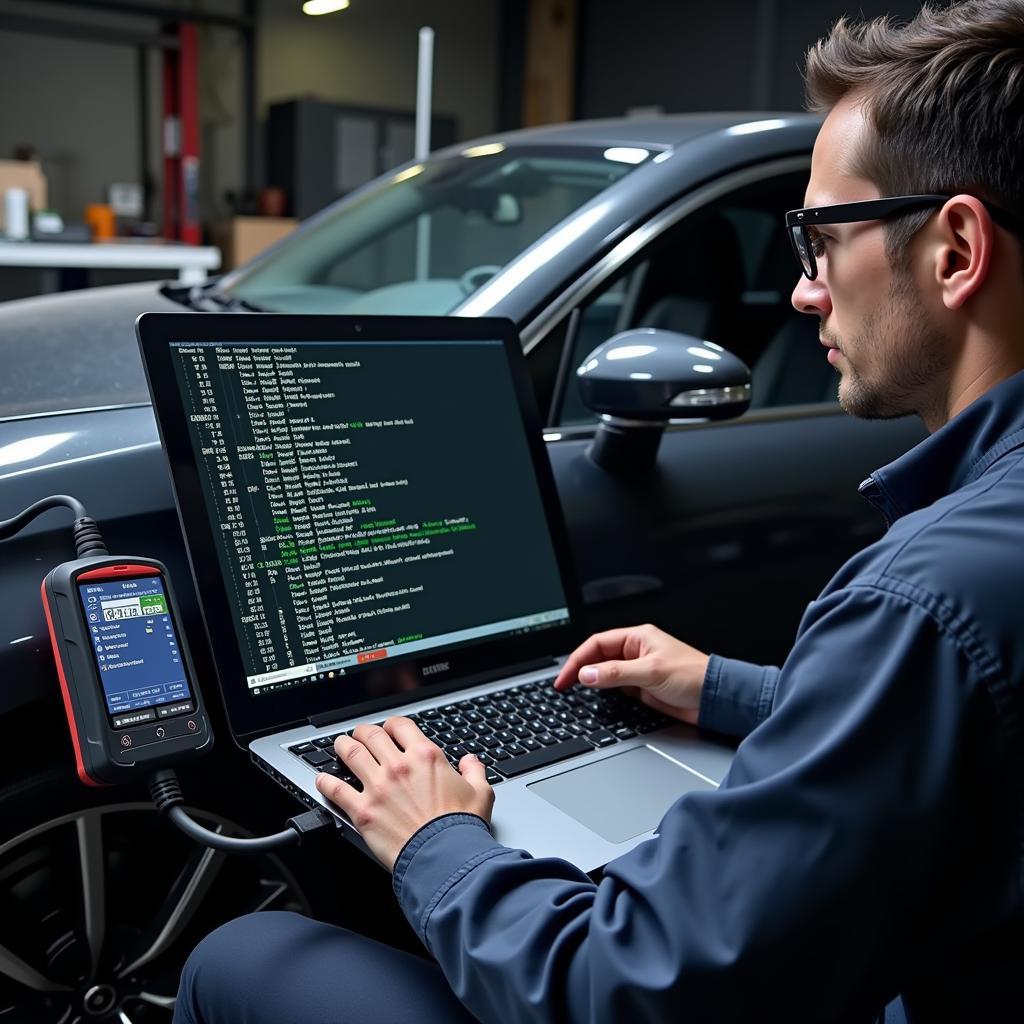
(68, 709)
(117, 572)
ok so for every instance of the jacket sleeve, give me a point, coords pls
(801, 884)
(737, 696)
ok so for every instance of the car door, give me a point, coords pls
(739, 524)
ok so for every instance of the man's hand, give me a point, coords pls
(646, 663)
(406, 783)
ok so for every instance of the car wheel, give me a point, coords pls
(100, 907)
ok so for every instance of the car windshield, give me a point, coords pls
(425, 238)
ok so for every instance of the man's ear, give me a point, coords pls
(964, 252)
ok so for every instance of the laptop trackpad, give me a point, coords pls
(621, 796)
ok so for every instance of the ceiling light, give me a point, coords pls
(324, 6)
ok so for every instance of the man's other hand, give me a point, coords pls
(406, 783)
(645, 663)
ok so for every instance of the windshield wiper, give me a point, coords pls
(230, 303)
(210, 298)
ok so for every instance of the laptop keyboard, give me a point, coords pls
(514, 731)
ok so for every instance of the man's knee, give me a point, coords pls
(234, 966)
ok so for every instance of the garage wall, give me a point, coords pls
(684, 55)
(76, 100)
(367, 55)
(76, 103)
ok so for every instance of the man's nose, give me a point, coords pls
(811, 297)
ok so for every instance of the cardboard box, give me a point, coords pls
(241, 238)
(23, 174)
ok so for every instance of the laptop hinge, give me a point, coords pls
(339, 714)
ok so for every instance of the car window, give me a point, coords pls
(724, 274)
(426, 238)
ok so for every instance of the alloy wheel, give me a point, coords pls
(100, 908)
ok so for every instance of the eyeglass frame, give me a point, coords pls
(798, 221)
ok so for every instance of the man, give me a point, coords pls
(869, 838)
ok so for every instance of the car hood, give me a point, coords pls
(75, 350)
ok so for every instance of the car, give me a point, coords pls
(576, 232)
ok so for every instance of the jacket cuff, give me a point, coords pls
(737, 696)
(438, 856)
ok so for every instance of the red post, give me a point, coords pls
(181, 137)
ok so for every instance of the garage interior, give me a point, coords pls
(580, 174)
(118, 106)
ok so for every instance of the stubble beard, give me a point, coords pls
(902, 356)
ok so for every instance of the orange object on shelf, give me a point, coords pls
(100, 218)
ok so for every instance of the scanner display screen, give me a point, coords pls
(135, 648)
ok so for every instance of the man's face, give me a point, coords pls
(882, 339)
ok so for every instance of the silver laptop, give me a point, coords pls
(374, 530)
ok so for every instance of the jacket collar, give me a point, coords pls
(954, 456)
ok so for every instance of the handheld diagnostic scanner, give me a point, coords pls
(125, 672)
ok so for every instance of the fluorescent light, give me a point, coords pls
(702, 353)
(552, 437)
(640, 376)
(487, 149)
(701, 368)
(626, 154)
(324, 6)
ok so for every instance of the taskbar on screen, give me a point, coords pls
(336, 668)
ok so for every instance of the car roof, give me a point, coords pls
(660, 130)
(696, 150)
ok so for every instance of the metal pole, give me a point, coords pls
(424, 81)
(252, 149)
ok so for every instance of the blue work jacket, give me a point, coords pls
(868, 839)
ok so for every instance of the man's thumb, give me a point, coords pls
(609, 674)
(474, 772)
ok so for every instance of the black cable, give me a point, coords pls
(166, 794)
(163, 786)
(87, 536)
(230, 844)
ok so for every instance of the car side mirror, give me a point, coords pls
(640, 379)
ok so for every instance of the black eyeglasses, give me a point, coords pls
(799, 221)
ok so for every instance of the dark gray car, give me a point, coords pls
(576, 232)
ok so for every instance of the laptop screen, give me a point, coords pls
(371, 504)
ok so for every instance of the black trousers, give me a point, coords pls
(282, 968)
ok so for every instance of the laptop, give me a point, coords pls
(373, 530)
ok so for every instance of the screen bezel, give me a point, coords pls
(251, 716)
(135, 572)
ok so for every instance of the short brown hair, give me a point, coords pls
(945, 96)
